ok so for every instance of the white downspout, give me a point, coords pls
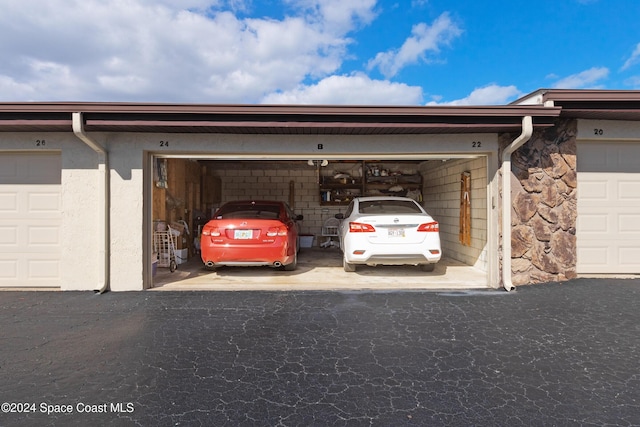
(527, 131)
(103, 209)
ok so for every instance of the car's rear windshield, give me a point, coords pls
(248, 211)
(389, 207)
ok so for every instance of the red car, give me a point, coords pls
(251, 233)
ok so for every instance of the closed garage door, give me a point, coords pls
(608, 226)
(30, 218)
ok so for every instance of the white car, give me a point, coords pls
(388, 230)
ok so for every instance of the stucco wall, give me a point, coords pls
(544, 203)
(130, 194)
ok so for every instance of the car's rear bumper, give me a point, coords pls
(246, 255)
(389, 256)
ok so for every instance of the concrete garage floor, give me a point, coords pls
(319, 269)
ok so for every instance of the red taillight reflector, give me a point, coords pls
(358, 252)
(434, 251)
(213, 232)
(277, 231)
(358, 227)
(429, 227)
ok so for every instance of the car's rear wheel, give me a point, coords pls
(292, 266)
(427, 267)
(349, 268)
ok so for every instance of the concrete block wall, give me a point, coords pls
(260, 182)
(441, 194)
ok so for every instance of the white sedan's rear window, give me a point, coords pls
(389, 207)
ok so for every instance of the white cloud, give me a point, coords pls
(634, 59)
(356, 89)
(633, 82)
(424, 39)
(583, 80)
(337, 16)
(487, 95)
(150, 50)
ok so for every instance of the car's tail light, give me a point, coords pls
(213, 232)
(358, 227)
(429, 227)
(277, 231)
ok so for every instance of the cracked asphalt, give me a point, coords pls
(555, 354)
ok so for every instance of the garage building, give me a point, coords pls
(83, 185)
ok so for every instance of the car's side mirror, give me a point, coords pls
(299, 217)
(339, 216)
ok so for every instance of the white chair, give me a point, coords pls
(329, 231)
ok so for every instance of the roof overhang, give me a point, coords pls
(272, 119)
(588, 104)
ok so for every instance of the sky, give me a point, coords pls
(338, 52)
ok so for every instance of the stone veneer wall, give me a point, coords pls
(544, 201)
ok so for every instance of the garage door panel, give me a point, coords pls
(30, 219)
(8, 202)
(593, 224)
(594, 190)
(9, 237)
(608, 225)
(29, 272)
(43, 269)
(43, 203)
(43, 237)
(629, 225)
(629, 255)
(594, 255)
(629, 190)
(8, 269)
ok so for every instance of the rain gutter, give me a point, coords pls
(525, 135)
(103, 210)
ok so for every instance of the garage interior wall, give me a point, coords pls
(272, 180)
(441, 195)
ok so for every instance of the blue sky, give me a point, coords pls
(409, 52)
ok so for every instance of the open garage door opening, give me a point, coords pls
(187, 190)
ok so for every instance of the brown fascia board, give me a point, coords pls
(591, 95)
(346, 110)
(155, 115)
(597, 104)
(578, 95)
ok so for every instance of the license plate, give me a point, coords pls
(243, 234)
(396, 232)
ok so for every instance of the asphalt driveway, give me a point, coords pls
(554, 354)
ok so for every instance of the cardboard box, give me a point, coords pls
(179, 227)
(182, 238)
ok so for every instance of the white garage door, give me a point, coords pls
(30, 217)
(608, 229)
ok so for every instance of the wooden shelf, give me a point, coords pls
(337, 190)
